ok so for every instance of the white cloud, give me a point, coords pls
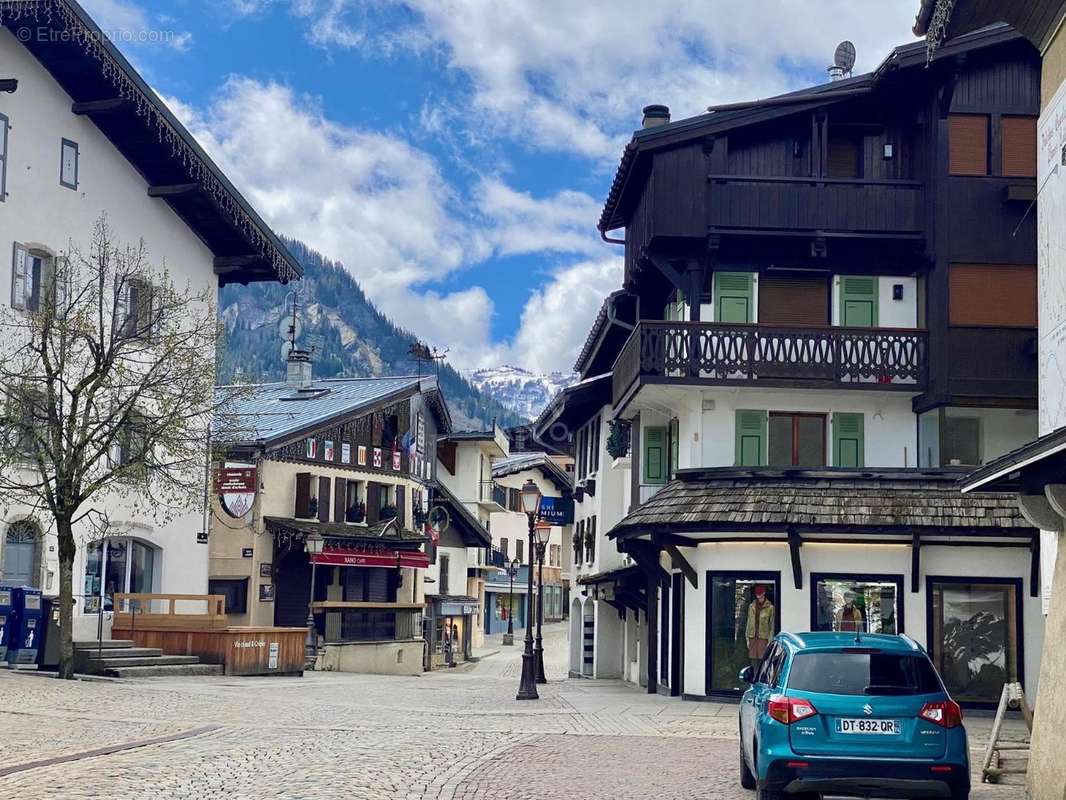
(128, 24)
(519, 223)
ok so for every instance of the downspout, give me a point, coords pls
(609, 240)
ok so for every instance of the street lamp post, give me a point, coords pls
(512, 570)
(543, 532)
(313, 545)
(527, 689)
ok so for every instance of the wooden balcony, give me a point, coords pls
(771, 356)
(892, 208)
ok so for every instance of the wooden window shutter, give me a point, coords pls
(751, 438)
(858, 302)
(323, 499)
(340, 498)
(843, 156)
(655, 455)
(994, 295)
(793, 300)
(1018, 137)
(401, 506)
(373, 502)
(20, 279)
(848, 444)
(968, 144)
(303, 495)
(733, 294)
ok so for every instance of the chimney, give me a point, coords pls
(298, 373)
(654, 116)
(836, 73)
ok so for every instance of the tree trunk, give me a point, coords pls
(67, 550)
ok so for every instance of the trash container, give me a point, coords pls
(48, 643)
(25, 623)
(5, 612)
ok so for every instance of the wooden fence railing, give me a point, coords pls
(184, 611)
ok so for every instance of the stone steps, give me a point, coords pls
(118, 658)
(105, 663)
(165, 671)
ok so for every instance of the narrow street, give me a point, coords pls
(452, 734)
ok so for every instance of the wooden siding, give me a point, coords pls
(993, 363)
(982, 227)
(1009, 85)
(242, 651)
(1001, 295)
(678, 201)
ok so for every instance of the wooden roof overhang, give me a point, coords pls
(105, 88)
(828, 506)
(940, 20)
(571, 408)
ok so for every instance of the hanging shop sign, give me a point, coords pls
(235, 487)
(557, 510)
(357, 557)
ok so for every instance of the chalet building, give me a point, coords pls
(463, 560)
(347, 464)
(1034, 470)
(828, 315)
(510, 534)
(82, 136)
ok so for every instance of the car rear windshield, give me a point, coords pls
(865, 673)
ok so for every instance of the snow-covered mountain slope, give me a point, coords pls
(524, 392)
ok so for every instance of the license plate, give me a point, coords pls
(885, 727)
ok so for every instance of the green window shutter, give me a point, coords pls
(655, 455)
(733, 297)
(751, 438)
(675, 436)
(848, 445)
(858, 302)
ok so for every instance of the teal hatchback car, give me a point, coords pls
(860, 715)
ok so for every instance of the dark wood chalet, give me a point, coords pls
(920, 170)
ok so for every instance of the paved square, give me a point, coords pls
(454, 735)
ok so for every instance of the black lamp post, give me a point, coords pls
(512, 570)
(527, 689)
(313, 545)
(543, 532)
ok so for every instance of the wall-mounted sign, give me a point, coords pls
(201, 537)
(236, 487)
(439, 519)
(362, 456)
(346, 453)
(557, 510)
(377, 457)
(266, 570)
(396, 460)
(266, 593)
(247, 552)
(272, 655)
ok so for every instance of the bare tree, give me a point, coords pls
(107, 373)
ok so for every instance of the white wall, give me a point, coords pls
(609, 504)
(890, 313)
(1002, 429)
(38, 210)
(512, 525)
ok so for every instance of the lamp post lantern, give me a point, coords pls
(512, 570)
(313, 544)
(527, 689)
(543, 532)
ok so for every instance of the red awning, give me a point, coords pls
(340, 557)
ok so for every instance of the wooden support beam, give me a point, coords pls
(652, 630)
(99, 106)
(667, 269)
(794, 545)
(236, 262)
(172, 190)
(681, 563)
(916, 561)
(1034, 566)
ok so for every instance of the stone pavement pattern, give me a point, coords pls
(454, 735)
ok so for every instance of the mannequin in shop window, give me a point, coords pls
(850, 617)
(760, 628)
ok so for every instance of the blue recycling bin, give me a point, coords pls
(25, 622)
(6, 608)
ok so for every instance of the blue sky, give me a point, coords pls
(454, 154)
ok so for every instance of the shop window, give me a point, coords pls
(744, 617)
(796, 440)
(968, 144)
(235, 590)
(1018, 140)
(975, 636)
(996, 295)
(961, 444)
(118, 566)
(861, 604)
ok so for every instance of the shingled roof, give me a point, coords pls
(893, 502)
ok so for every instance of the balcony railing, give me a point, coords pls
(824, 204)
(494, 557)
(492, 492)
(771, 355)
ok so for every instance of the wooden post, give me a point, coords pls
(653, 629)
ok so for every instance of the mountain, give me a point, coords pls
(523, 392)
(350, 336)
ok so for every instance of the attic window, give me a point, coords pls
(309, 393)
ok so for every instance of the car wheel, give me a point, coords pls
(747, 780)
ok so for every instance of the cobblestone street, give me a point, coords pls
(454, 734)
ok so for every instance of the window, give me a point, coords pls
(848, 442)
(354, 505)
(961, 444)
(131, 446)
(4, 127)
(796, 440)
(743, 619)
(968, 144)
(28, 414)
(870, 673)
(844, 155)
(22, 554)
(793, 300)
(733, 294)
(504, 548)
(118, 565)
(445, 563)
(864, 604)
(998, 295)
(1018, 139)
(32, 275)
(518, 550)
(140, 308)
(235, 590)
(554, 555)
(974, 635)
(68, 164)
(751, 438)
(858, 301)
(655, 455)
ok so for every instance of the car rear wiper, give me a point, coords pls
(888, 689)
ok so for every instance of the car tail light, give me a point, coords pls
(945, 713)
(790, 709)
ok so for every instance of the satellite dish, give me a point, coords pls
(844, 57)
(284, 325)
